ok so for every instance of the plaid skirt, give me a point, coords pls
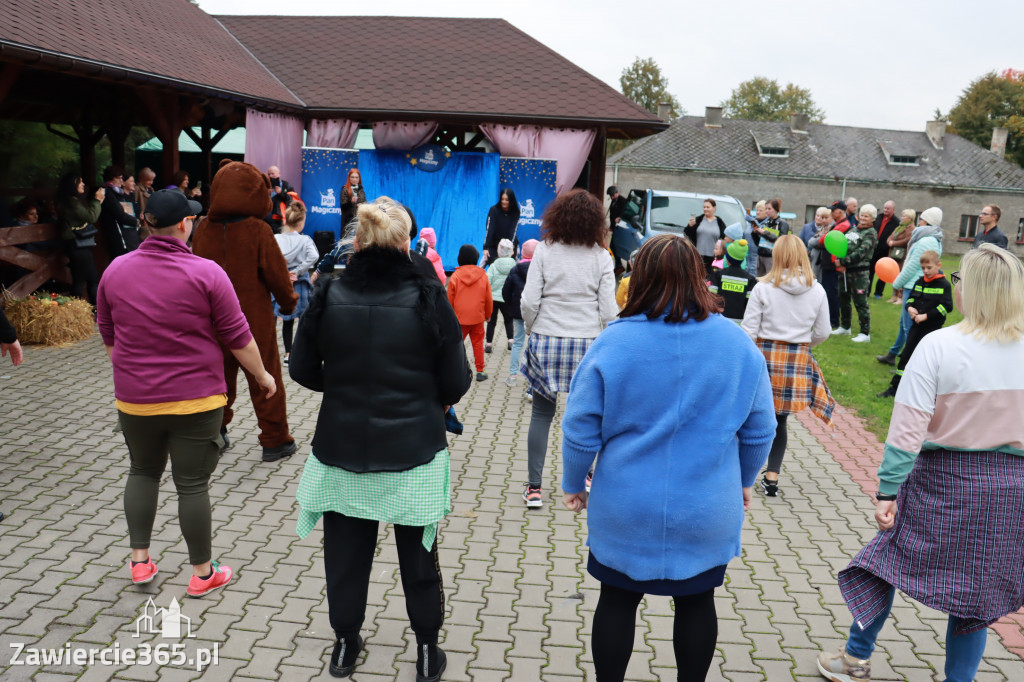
(957, 545)
(303, 288)
(550, 361)
(796, 379)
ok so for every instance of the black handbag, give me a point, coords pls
(85, 235)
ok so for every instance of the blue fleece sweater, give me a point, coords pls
(678, 436)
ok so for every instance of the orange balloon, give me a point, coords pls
(887, 270)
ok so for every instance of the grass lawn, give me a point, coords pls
(851, 371)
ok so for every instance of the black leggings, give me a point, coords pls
(84, 278)
(287, 332)
(694, 633)
(778, 450)
(349, 544)
(506, 316)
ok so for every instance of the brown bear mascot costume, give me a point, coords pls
(235, 236)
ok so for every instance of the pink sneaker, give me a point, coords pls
(197, 587)
(143, 573)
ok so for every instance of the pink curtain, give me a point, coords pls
(275, 140)
(570, 147)
(334, 133)
(402, 135)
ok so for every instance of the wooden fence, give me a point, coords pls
(42, 265)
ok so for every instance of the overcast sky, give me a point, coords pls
(868, 63)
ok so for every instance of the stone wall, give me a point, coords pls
(798, 195)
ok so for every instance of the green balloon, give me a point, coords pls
(836, 244)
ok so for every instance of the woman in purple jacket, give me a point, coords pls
(162, 313)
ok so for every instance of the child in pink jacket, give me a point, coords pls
(427, 234)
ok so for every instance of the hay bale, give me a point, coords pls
(50, 320)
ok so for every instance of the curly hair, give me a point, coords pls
(668, 281)
(575, 218)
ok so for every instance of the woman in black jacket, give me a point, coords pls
(76, 216)
(502, 223)
(384, 346)
(704, 231)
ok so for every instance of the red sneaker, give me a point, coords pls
(142, 573)
(197, 587)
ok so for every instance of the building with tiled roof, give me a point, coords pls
(812, 165)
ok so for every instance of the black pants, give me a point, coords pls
(287, 335)
(84, 278)
(830, 283)
(917, 332)
(349, 544)
(694, 633)
(778, 450)
(506, 316)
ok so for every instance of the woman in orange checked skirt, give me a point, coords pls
(786, 316)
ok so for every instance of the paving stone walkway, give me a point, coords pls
(520, 603)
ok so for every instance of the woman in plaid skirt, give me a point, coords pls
(951, 484)
(786, 316)
(568, 299)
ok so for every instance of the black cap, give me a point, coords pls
(169, 207)
(613, 190)
(841, 205)
(468, 255)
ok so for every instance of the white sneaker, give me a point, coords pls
(841, 331)
(861, 338)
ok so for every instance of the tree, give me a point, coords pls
(763, 99)
(992, 101)
(643, 83)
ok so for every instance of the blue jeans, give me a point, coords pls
(518, 340)
(901, 338)
(963, 652)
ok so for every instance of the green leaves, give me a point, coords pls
(763, 99)
(992, 101)
(643, 83)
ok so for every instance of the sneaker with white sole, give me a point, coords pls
(142, 571)
(842, 667)
(861, 338)
(841, 331)
(533, 497)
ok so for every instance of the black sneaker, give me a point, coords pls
(887, 359)
(430, 663)
(343, 658)
(887, 393)
(224, 437)
(481, 376)
(488, 347)
(280, 452)
(770, 488)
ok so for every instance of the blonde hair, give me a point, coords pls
(912, 213)
(294, 214)
(823, 211)
(384, 224)
(760, 204)
(869, 209)
(505, 248)
(992, 291)
(789, 261)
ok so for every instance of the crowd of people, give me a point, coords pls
(381, 316)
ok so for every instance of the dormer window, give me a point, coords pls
(771, 144)
(897, 154)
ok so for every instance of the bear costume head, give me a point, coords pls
(239, 189)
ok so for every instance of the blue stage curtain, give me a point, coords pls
(454, 200)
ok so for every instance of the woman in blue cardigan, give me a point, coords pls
(680, 440)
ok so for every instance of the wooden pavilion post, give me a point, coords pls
(597, 163)
(206, 142)
(165, 116)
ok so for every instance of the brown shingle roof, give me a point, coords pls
(172, 39)
(481, 68)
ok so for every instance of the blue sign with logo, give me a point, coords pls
(428, 157)
(533, 181)
(324, 173)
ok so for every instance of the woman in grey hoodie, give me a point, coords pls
(300, 254)
(786, 316)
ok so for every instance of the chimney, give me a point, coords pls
(664, 111)
(935, 130)
(712, 117)
(798, 123)
(999, 141)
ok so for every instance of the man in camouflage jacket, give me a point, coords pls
(855, 276)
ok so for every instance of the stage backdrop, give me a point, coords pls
(533, 181)
(324, 173)
(453, 200)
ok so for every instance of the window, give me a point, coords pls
(902, 160)
(774, 151)
(809, 213)
(1020, 231)
(968, 227)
